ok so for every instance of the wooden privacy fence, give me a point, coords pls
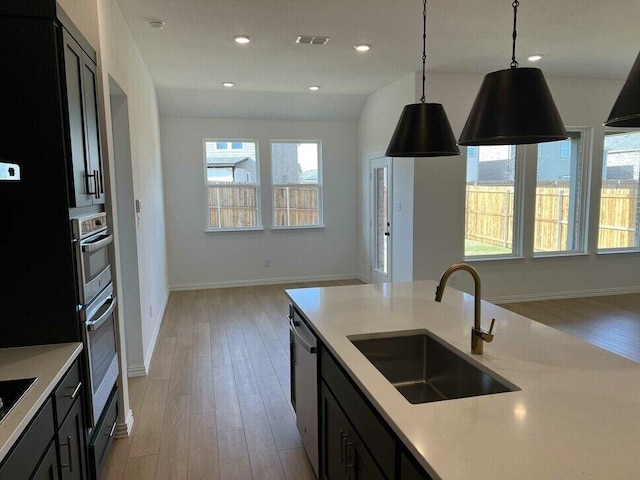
(235, 206)
(489, 216)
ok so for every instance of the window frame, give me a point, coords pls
(525, 184)
(518, 202)
(584, 149)
(257, 185)
(614, 250)
(320, 186)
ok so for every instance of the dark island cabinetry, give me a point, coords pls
(355, 441)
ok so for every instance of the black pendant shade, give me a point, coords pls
(423, 131)
(513, 107)
(626, 110)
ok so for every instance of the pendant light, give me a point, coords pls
(513, 107)
(423, 129)
(626, 110)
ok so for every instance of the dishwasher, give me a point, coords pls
(304, 383)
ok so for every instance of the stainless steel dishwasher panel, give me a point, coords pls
(304, 359)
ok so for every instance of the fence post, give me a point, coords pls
(560, 210)
(505, 223)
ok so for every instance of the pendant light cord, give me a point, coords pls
(424, 44)
(515, 6)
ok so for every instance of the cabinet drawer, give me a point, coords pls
(67, 391)
(369, 426)
(23, 459)
(102, 436)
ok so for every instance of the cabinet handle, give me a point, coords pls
(75, 392)
(343, 439)
(69, 453)
(113, 429)
(96, 181)
(348, 457)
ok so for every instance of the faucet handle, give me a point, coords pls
(488, 336)
(493, 321)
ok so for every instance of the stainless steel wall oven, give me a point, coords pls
(97, 310)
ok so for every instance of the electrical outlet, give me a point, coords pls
(150, 311)
(267, 262)
(453, 280)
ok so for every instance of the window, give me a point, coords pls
(232, 185)
(619, 197)
(559, 215)
(489, 225)
(296, 177)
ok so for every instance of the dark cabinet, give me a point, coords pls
(71, 445)
(53, 445)
(355, 441)
(344, 455)
(48, 469)
(24, 457)
(102, 436)
(86, 180)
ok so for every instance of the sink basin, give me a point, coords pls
(11, 391)
(425, 369)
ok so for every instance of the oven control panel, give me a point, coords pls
(90, 225)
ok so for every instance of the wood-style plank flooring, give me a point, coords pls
(611, 322)
(215, 404)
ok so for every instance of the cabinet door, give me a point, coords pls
(359, 462)
(334, 438)
(93, 161)
(48, 469)
(71, 445)
(84, 137)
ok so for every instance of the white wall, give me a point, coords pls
(122, 61)
(375, 127)
(199, 259)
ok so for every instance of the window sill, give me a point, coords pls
(492, 258)
(299, 227)
(559, 255)
(618, 251)
(239, 229)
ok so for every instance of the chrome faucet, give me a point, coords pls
(478, 334)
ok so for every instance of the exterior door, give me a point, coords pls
(381, 198)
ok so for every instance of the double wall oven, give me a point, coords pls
(93, 238)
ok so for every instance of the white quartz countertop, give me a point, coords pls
(576, 416)
(48, 363)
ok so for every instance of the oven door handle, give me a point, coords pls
(95, 324)
(98, 244)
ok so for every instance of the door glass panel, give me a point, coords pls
(382, 219)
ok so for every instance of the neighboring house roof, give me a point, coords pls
(309, 176)
(226, 161)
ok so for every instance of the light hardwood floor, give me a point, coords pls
(215, 404)
(610, 322)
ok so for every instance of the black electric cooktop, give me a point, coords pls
(11, 391)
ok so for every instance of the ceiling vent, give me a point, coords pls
(311, 40)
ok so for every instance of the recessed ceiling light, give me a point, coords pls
(242, 39)
(228, 84)
(363, 47)
(314, 88)
(534, 58)
(159, 24)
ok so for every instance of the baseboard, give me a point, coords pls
(534, 297)
(261, 281)
(124, 429)
(148, 356)
(363, 278)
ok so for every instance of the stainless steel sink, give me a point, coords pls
(425, 369)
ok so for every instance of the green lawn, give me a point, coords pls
(472, 248)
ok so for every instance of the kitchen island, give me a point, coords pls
(576, 413)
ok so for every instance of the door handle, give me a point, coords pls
(70, 454)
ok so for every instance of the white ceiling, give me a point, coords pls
(195, 50)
